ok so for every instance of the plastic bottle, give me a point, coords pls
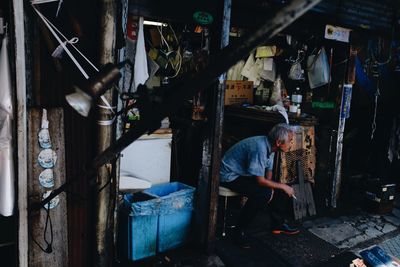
(296, 96)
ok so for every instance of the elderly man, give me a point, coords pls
(247, 168)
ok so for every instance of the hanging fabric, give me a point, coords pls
(140, 70)
(6, 150)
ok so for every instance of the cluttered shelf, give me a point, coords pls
(261, 115)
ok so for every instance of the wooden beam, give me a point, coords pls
(105, 186)
(20, 84)
(347, 90)
(58, 215)
(216, 137)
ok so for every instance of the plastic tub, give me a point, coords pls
(175, 214)
(138, 226)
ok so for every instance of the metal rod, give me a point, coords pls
(218, 63)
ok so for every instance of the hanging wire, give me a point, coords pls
(53, 29)
(377, 94)
(299, 58)
(61, 43)
(67, 40)
(49, 247)
(178, 57)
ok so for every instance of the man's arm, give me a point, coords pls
(267, 182)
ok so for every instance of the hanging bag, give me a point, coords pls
(296, 72)
(318, 69)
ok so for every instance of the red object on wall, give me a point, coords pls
(132, 27)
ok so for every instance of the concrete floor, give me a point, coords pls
(325, 241)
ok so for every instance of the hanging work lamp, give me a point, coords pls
(82, 99)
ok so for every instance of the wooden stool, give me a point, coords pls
(226, 192)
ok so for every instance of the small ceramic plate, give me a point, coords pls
(53, 203)
(47, 158)
(44, 138)
(46, 178)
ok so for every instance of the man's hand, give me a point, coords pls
(262, 181)
(288, 190)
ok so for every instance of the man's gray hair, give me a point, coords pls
(280, 132)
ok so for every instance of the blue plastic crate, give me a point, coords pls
(175, 214)
(138, 226)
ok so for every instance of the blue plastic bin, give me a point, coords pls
(175, 214)
(138, 226)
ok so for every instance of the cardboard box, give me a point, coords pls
(239, 92)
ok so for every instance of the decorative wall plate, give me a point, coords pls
(47, 158)
(53, 203)
(46, 178)
(44, 138)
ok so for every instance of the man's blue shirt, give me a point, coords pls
(250, 157)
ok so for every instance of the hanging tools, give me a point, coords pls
(303, 204)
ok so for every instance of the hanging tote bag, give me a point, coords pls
(318, 69)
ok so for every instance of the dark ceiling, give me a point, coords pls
(366, 14)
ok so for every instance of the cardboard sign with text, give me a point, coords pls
(238, 92)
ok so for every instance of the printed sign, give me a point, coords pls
(238, 92)
(203, 18)
(337, 33)
(346, 101)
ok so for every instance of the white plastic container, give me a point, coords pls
(148, 158)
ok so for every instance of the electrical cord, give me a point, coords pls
(175, 66)
(49, 248)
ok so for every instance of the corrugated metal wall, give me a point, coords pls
(369, 14)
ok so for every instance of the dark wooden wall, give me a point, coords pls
(49, 80)
(58, 215)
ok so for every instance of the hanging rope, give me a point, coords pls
(63, 44)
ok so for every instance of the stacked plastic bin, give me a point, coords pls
(155, 220)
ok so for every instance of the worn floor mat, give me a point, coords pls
(256, 256)
(304, 249)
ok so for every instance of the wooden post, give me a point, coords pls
(105, 186)
(20, 84)
(343, 115)
(209, 173)
(58, 215)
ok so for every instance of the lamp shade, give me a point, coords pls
(82, 99)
